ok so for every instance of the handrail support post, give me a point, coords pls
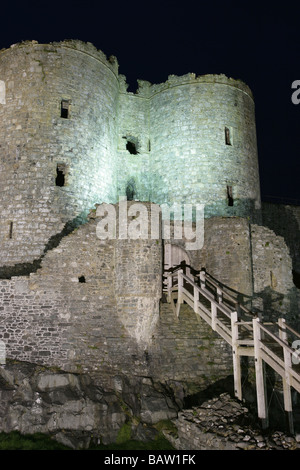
(262, 408)
(236, 357)
(287, 396)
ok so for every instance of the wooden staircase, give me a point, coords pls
(270, 343)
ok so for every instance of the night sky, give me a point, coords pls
(259, 44)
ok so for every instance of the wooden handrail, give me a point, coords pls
(282, 343)
(208, 296)
(288, 327)
(226, 310)
(216, 284)
(253, 345)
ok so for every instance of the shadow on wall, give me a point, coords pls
(219, 208)
(282, 221)
(273, 305)
(233, 208)
(135, 188)
(236, 295)
(131, 192)
(151, 187)
(24, 269)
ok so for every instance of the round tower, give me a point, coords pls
(57, 141)
(203, 145)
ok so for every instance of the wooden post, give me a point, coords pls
(213, 316)
(219, 295)
(260, 379)
(196, 298)
(202, 279)
(287, 396)
(180, 287)
(236, 357)
(169, 288)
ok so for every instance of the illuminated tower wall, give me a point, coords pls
(72, 136)
(57, 141)
(201, 144)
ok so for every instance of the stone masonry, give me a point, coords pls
(91, 309)
(75, 146)
(72, 136)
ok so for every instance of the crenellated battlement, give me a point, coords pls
(75, 44)
(147, 90)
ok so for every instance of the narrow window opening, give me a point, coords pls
(81, 279)
(229, 196)
(149, 146)
(131, 147)
(132, 144)
(228, 136)
(60, 174)
(11, 229)
(64, 109)
(131, 190)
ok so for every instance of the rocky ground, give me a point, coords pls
(223, 423)
(75, 411)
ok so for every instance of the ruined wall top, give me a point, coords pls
(145, 88)
(80, 46)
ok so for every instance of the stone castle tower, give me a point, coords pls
(72, 136)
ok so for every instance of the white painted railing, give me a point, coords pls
(245, 333)
(275, 350)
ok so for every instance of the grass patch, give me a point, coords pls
(17, 441)
(161, 443)
(124, 434)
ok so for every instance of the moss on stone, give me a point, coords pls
(124, 433)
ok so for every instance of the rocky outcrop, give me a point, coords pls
(77, 412)
(74, 410)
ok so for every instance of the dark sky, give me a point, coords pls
(258, 43)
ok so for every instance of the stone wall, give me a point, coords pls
(251, 262)
(190, 160)
(274, 291)
(94, 307)
(225, 253)
(72, 136)
(183, 156)
(186, 353)
(284, 220)
(133, 145)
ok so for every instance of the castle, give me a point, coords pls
(72, 138)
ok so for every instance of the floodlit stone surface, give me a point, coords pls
(73, 142)
(72, 136)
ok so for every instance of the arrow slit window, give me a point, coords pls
(228, 136)
(65, 109)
